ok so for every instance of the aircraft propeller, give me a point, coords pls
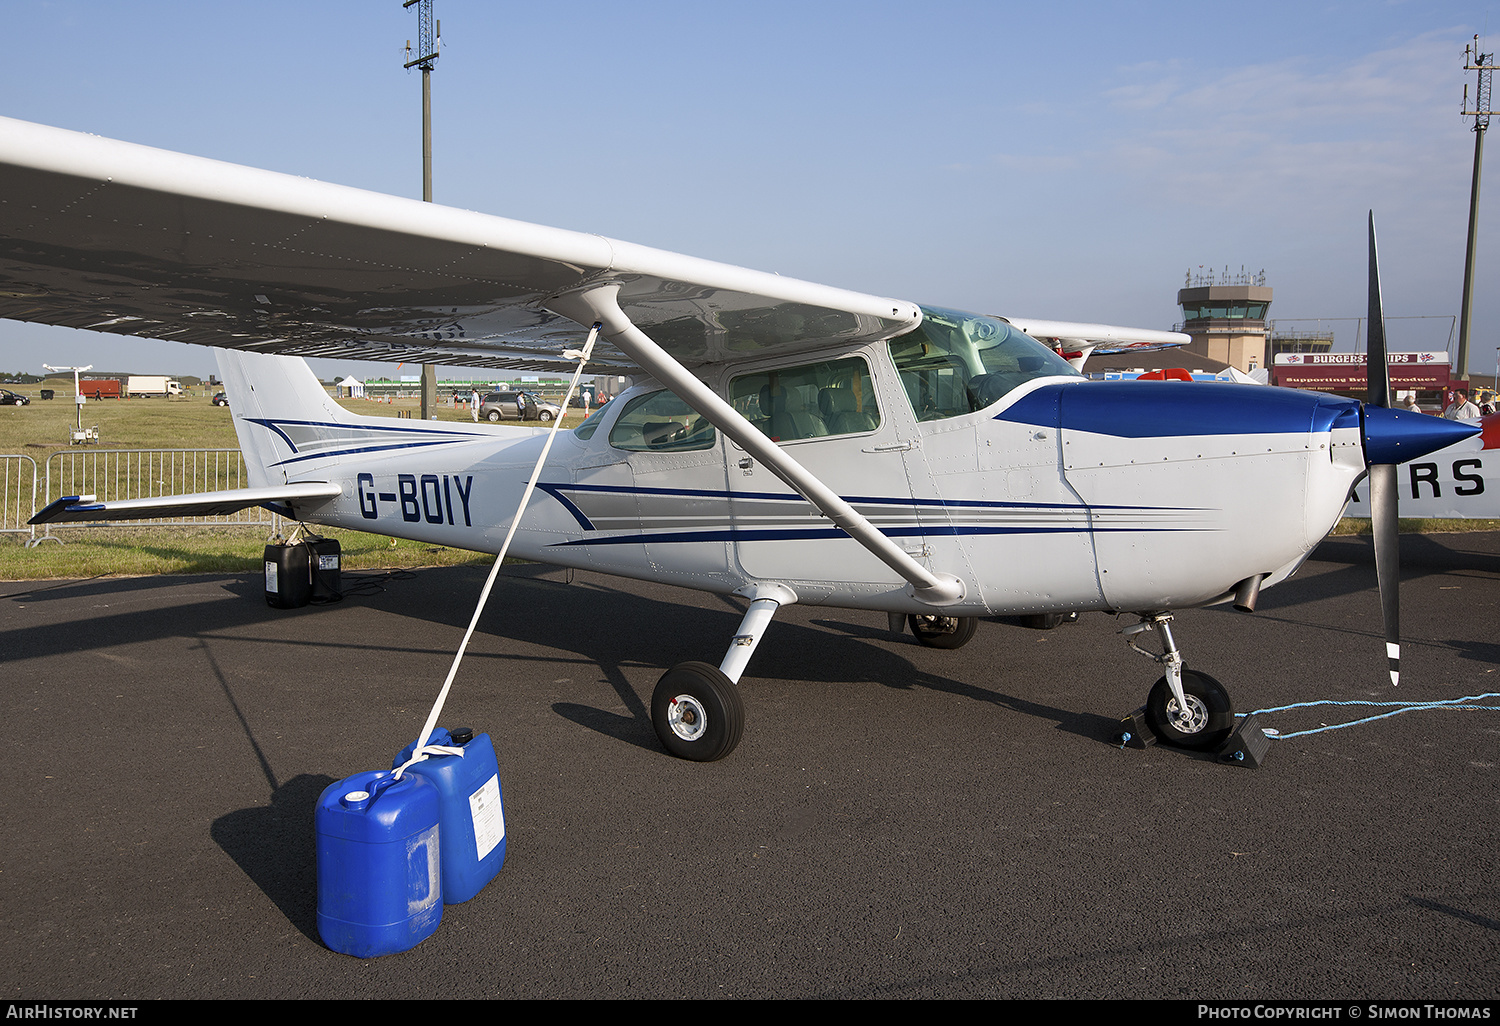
(1392, 436)
(1384, 499)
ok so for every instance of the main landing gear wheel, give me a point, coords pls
(1204, 724)
(1047, 621)
(697, 712)
(943, 631)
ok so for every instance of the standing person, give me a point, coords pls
(1461, 409)
(474, 402)
(520, 406)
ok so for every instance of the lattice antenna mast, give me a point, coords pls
(429, 38)
(1484, 63)
(429, 41)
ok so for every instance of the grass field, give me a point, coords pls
(193, 422)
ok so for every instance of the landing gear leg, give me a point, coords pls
(696, 708)
(1184, 708)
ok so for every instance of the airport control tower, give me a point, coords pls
(1226, 316)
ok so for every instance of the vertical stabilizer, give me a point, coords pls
(265, 390)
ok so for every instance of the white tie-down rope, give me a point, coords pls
(423, 749)
(418, 754)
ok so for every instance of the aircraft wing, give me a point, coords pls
(77, 508)
(1077, 342)
(122, 238)
(1105, 338)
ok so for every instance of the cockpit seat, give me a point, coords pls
(837, 406)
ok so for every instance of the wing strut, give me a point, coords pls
(600, 304)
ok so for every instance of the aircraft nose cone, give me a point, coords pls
(1395, 436)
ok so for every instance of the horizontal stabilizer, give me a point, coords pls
(74, 508)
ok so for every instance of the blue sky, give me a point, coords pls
(1069, 161)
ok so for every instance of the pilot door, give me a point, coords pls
(658, 489)
(828, 418)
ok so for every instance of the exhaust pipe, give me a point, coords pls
(1247, 593)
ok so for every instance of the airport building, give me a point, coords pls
(1225, 314)
(1301, 342)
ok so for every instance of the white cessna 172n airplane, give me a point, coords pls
(786, 441)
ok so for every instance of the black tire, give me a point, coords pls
(545, 416)
(697, 712)
(1042, 621)
(1212, 717)
(493, 416)
(943, 631)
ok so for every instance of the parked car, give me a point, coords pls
(220, 399)
(498, 406)
(9, 398)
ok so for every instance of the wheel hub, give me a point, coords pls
(1190, 720)
(686, 718)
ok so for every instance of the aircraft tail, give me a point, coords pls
(291, 430)
(264, 392)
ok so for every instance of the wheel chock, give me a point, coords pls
(1135, 732)
(1247, 746)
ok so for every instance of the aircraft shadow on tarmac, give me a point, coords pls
(193, 616)
(533, 605)
(1352, 559)
(1420, 553)
(1354, 556)
(551, 614)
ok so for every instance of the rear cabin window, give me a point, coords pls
(957, 363)
(836, 397)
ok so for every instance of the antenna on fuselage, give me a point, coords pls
(429, 42)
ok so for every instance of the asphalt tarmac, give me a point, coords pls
(898, 822)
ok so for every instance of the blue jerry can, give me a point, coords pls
(473, 815)
(379, 863)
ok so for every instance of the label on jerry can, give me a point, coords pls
(489, 816)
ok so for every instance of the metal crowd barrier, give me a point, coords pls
(18, 486)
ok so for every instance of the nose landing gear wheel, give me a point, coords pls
(943, 631)
(1204, 724)
(697, 712)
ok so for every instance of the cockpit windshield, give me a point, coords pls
(956, 363)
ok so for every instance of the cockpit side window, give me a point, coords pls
(585, 430)
(660, 422)
(957, 363)
(836, 397)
